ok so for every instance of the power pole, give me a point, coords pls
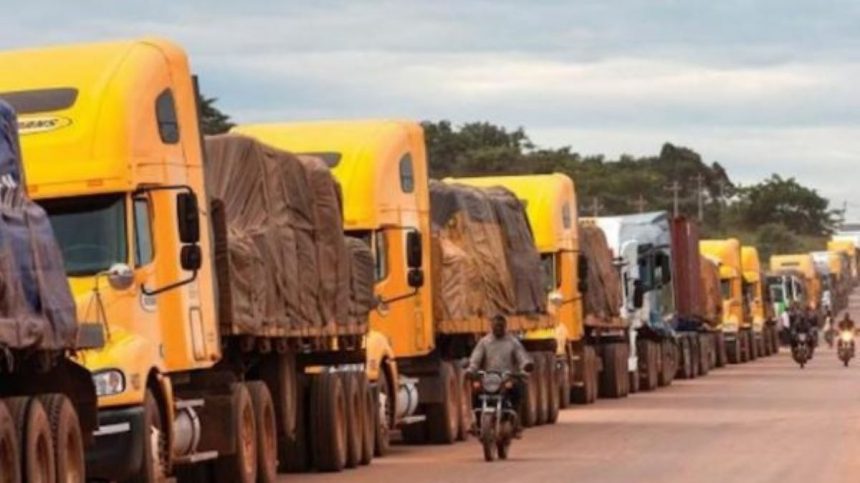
(595, 207)
(699, 181)
(675, 189)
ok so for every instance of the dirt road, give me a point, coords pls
(765, 421)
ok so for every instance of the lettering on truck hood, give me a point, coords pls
(41, 124)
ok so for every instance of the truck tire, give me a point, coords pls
(443, 419)
(354, 419)
(734, 353)
(586, 393)
(685, 358)
(267, 431)
(705, 351)
(287, 388)
(553, 402)
(10, 457)
(241, 465)
(649, 354)
(154, 465)
(384, 417)
(540, 388)
(464, 414)
(753, 345)
(67, 438)
(564, 386)
(371, 414)
(695, 356)
(328, 422)
(35, 443)
(669, 362)
(774, 339)
(529, 400)
(613, 377)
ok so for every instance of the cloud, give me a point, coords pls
(761, 86)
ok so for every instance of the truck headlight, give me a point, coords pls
(109, 382)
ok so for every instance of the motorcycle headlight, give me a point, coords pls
(491, 382)
(109, 382)
(846, 336)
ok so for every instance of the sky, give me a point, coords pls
(760, 86)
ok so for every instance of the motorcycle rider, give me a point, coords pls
(846, 323)
(501, 352)
(801, 323)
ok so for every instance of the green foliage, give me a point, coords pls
(212, 120)
(778, 214)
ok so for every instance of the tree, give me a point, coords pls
(212, 120)
(773, 238)
(785, 201)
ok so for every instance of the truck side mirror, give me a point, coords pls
(188, 217)
(638, 295)
(414, 251)
(582, 274)
(415, 278)
(191, 257)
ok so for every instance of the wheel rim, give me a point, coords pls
(249, 456)
(74, 471)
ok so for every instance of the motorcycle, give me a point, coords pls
(495, 416)
(845, 346)
(801, 349)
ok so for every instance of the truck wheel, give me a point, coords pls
(154, 465)
(553, 402)
(704, 354)
(35, 443)
(10, 458)
(443, 419)
(540, 388)
(384, 414)
(669, 362)
(649, 356)
(753, 345)
(67, 438)
(564, 395)
(354, 419)
(530, 400)
(695, 356)
(613, 377)
(465, 409)
(267, 432)
(287, 388)
(371, 415)
(240, 466)
(733, 350)
(328, 422)
(586, 392)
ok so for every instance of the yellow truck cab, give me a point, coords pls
(100, 126)
(737, 320)
(757, 297)
(849, 248)
(115, 156)
(803, 265)
(382, 169)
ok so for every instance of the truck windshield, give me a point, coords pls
(91, 231)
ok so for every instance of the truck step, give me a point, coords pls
(190, 403)
(196, 458)
(418, 418)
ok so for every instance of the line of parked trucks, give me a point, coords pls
(294, 296)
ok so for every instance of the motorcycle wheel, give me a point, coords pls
(488, 437)
(502, 448)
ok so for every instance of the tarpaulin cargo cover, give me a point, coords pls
(37, 311)
(484, 259)
(602, 299)
(283, 265)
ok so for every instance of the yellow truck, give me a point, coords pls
(737, 317)
(801, 265)
(415, 352)
(115, 156)
(765, 336)
(592, 349)
(849, 248)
